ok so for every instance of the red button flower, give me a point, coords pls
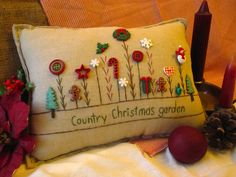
(57, 67)
(137, 56)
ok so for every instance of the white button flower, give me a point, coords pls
(123, 82)
(146, 43)
(94, 63)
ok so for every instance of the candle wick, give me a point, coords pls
(204, 7)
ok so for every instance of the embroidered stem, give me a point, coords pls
(169, 82)
(108, 79)
(118, 87)
(140, 87)
(182, 79)
(129, 68)
(60, 89)
(99, 89)
(86, 93)
(125, 94)
(151, 71)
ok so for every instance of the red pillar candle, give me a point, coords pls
(227, 92)
(201, 31)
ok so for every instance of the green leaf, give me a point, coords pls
(2, 90)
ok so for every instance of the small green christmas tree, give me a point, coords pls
(189, 87)
(51, 101)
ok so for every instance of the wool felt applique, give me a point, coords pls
(99, 85)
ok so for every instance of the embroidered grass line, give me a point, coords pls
(84, 85)
(108, 79)
(129, 68)
(60, 89)
(151, 71)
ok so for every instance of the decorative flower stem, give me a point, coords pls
(151, 71)
(108, 79)
(84, 85)
(129, 68)
(140, 87)
(60, 89)
(169, 82)
(99, 89)
(182, 79)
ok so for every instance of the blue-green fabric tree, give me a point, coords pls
(51, 103)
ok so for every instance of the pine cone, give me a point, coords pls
(220, 129)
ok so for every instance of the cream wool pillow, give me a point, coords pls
(98, 85)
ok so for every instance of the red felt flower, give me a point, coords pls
(82, 72)
(14, 141)
(137, 56)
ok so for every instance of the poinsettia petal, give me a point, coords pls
(6, 101)
(27, 143)
(14, 162)
(2, 117)
(7, 127)
(18, 117)
(4, 158)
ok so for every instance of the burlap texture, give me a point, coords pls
(15, 11)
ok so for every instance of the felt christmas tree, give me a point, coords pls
(189, 87)
(51, 101)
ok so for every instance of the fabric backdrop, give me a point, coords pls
(132, 13)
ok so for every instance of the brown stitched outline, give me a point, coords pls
(154, 98)
(146, 119)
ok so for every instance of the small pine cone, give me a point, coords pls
(220, 129)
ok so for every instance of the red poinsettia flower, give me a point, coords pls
(14, 141)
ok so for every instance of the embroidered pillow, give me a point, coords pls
(98, 85)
